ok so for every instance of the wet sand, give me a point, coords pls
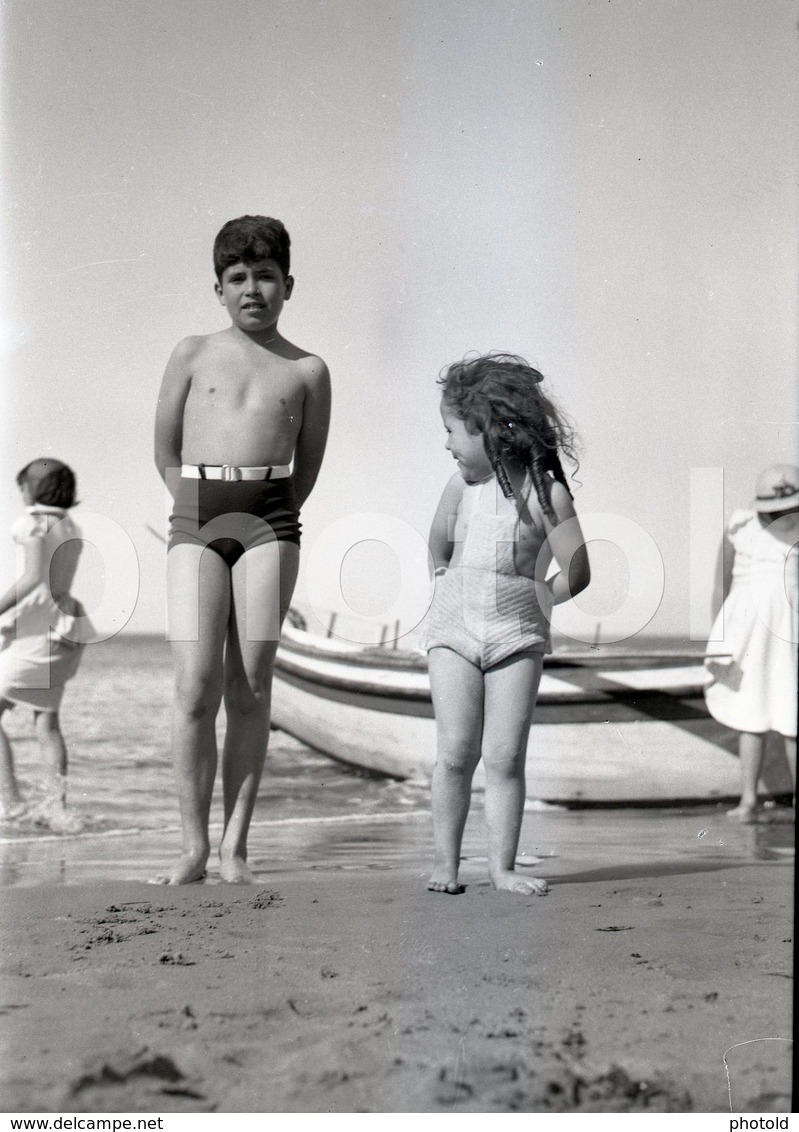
(664, 945)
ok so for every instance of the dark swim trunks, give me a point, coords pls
(233, 517)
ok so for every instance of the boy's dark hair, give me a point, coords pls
(250, 238)
(500, 397)
(53, 482)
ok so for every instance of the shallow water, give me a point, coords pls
(566, 847)
(116, 722)
(312, 812)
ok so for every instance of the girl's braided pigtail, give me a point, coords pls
(538, 474)
(556, 468)
(498, 466)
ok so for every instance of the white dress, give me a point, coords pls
(754, 661)
(41, 637)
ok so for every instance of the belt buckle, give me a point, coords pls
(231, 473)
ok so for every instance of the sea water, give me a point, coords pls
(311, 812)
(116, 719)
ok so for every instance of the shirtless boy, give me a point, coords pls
(234, 409)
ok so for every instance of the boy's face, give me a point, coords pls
(466, 447)
(254, 293)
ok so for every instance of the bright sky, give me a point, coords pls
(604, 186)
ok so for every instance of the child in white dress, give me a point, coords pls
(752, 654)
(40, 651)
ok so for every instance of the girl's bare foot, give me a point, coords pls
(190, 869)
(523, 886)
(59, 820)
(451, 887)
(446, 880)
(13, 811)
(744, 812)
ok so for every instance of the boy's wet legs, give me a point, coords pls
(457, 689)
(263, 583)
(198, 593)
(510, 694)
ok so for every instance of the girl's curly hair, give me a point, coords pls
(500, 396)
(53, 482)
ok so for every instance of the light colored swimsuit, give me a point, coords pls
(482, 608)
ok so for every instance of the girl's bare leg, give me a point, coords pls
(510, 694)
(52, 810)
(11, 802)
(457, 689)
(263, 583)
(751, 748)
(51, 744)
(198, 593)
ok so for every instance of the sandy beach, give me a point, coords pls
(660, 961)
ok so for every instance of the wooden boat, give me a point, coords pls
(609, 729)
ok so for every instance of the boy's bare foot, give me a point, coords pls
(235, 870)
(190, 870)
(524, 886)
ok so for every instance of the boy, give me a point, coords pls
(233, 410)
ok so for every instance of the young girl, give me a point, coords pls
(500, 520)
(38, 656)
(754, 663)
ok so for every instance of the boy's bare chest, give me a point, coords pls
(272, 389)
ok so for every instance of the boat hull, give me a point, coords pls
(620, 732)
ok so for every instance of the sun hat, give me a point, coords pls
(777, 488)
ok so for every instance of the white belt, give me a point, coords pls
(232, 473)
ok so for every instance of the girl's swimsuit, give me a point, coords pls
(482, 608)
(231, 517)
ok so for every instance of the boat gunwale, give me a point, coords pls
(291, 662)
